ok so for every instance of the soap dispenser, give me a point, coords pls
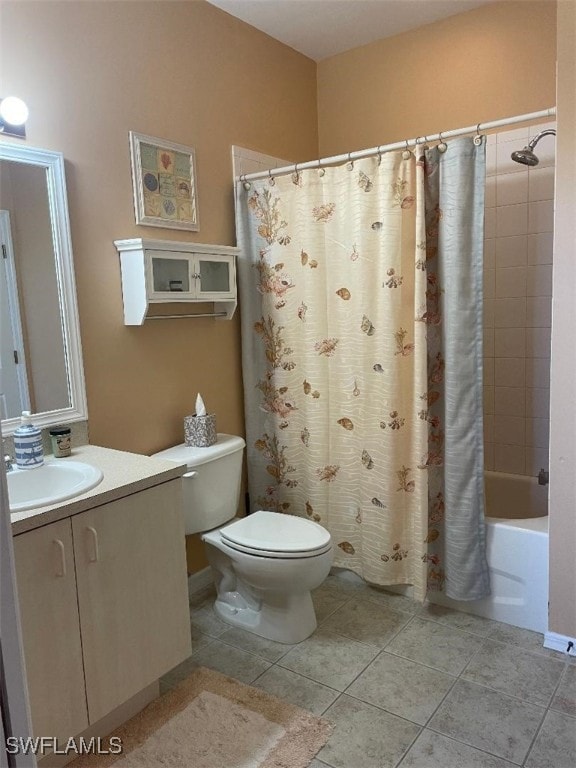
(28, 443)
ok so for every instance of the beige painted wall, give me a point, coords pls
(489, 63)
(563, 371)
(186, 72)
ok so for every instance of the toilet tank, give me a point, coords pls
(211, 486)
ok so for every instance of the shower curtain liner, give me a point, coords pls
(361, 309)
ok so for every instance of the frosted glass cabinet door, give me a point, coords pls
(51, 630)
(170, 275)
(215, 277)
(132, 593)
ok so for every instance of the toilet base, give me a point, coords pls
(283, 618)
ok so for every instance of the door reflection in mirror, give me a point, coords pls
(14, 392)
(32, 363)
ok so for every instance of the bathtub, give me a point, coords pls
(517, 553)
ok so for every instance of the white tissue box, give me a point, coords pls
(200, 431)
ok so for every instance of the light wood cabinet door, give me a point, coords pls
(51, 630)
(132, 592)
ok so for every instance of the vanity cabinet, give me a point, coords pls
(168, 272)
(104, 605)
(50, 622)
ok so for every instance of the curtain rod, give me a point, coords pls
(544, 113)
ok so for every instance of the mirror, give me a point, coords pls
(40, 355)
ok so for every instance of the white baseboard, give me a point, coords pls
(560, 643)
(200, 580)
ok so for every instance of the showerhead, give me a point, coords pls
(526, 156)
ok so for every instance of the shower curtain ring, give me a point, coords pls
(350, 163)
(406, 154)
(271, 179)
(442, 146)
(478, 137)
(321, 171)
(245, 184)
(379, 155)
(419, 140)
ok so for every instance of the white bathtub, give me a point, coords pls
(517, 551)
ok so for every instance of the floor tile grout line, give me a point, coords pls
(521, 649)
(414, 740)
(422, 615)
(535, 737)
(448, 692)
(471, 659)
(332, 612)
(501, 693)
(255, 653)
(479, 749)
(388, 711)
(362, 642)
(473, 746)
(420, 663)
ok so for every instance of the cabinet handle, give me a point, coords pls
(60, 545)
(189, 475)
(195, 276)
(95, 553)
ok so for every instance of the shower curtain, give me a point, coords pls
(361, 311)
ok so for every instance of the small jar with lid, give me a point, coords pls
(61, 439)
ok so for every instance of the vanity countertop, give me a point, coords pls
(124, 474)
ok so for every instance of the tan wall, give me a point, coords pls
(563, 372)
(493, 62)
(182, 71)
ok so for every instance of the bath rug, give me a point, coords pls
(213, 721)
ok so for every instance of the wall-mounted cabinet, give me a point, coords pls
(169, 272)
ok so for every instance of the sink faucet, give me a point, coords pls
(8, 460)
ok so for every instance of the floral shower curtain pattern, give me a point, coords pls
(344, 360)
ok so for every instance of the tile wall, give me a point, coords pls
(517, 303)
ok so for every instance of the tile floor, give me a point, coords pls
(406, 685)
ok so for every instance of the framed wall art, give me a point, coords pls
(164, 181)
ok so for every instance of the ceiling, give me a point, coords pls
(322, 28)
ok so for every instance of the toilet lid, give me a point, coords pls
(273, 532)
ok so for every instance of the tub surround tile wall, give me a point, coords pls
(517, 303)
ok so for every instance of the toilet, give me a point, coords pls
(265, 565)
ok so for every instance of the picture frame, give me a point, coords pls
(164, 183)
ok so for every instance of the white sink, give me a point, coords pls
(54, 481)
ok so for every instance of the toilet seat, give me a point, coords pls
(272, 534)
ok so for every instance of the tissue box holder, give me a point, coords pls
(200, 431)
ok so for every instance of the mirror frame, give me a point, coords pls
(53, 163)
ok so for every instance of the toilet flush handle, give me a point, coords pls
(189, 475)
